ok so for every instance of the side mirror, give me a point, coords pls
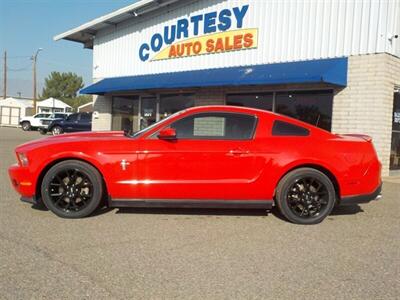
(167, 134)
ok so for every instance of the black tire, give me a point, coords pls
(26, 126)
(305, 196)
(42, 131)
(72, 189)
(56, 130)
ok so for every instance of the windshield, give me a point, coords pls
(144, 130)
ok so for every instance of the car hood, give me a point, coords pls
(103, 136)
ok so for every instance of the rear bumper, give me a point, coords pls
(376, 195)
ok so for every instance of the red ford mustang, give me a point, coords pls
(211, 156)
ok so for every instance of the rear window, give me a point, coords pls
(282, 128)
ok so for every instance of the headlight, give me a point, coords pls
(23, 160)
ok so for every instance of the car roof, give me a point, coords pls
(227, 108)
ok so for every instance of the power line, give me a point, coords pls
(20, 69)
(62, 64)
(20, 56)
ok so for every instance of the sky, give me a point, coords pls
(27, 25)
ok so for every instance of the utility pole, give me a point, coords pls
(5, 76)
(34, 58)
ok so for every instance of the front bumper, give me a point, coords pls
(31, 200)
(359, 199)
(22, 181)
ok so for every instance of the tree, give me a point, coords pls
(65, 86)
(80, 100)
(62, 85)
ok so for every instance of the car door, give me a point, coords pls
(70, 123)
(213, 157)
(85, 122)
(36, 119)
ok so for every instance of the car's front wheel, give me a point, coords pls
(26, 126)
(56, 130)
(305, 196)
(72, 189)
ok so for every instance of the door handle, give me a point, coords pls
(238, 152)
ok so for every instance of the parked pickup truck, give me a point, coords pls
(73, 123)
(33, 122)
(45, 122)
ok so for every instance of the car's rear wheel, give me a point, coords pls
(72, 189)
(26, 126)
(56, 130)
(305, 196)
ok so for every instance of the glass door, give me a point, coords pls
(124, 113)
(148, 111)
(395, 150)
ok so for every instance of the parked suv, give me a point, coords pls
(33, 122)
(73, 123)
(44, 123)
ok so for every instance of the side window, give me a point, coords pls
(40, 116)
(86, 117)
(281, 128)
(72, 118)
(224, 126)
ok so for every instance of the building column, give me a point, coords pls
(366, 104)
(102, 108)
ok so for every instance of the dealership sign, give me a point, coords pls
(213, 32)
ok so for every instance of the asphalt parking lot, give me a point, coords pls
(198, 254)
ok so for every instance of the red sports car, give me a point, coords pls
(210, 156)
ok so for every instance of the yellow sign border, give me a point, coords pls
(164, 53)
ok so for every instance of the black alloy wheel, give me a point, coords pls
(72, 189)
(305, 196)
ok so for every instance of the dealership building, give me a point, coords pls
(334, 64)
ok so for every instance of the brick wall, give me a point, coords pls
(216, 97)
(366, 104)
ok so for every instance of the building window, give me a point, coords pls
(170, 104)
(216, 126)
(395, 150)
(260, 100)
(124, 112)
(313, 107)
(148, 111)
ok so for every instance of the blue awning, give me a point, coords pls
(329, 71)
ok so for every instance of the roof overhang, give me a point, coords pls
(85, 33)
(328, 71)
